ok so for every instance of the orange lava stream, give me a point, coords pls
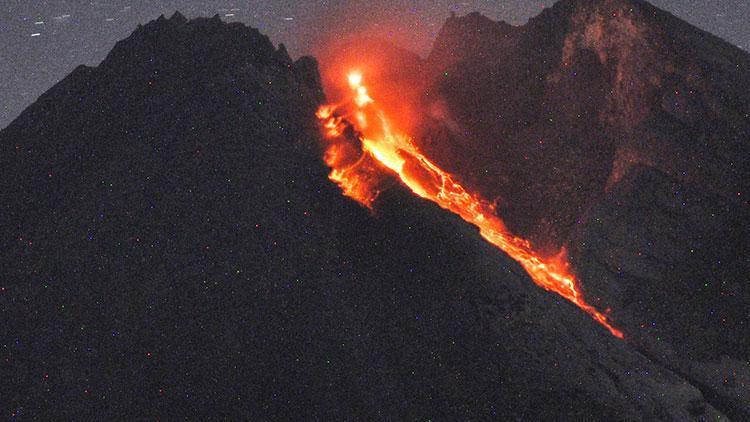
(362, 146)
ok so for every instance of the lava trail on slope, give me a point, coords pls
(363, 147)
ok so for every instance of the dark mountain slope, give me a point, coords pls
(172, 248)
(621, 132)
(619, 80)
(672, 261)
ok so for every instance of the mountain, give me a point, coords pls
(172, 248)
(622, 81)
(616, 130)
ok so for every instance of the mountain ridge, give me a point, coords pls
(620, 132)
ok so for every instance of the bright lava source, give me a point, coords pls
(362, 146)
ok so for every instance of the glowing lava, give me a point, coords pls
(362, 147)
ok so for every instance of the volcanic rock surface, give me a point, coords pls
(616, 130)
(555, 112)
(172, 248)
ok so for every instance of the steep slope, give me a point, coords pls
(615, 129)
(619, 80)
(172, 248)
(671, 260)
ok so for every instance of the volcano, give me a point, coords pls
(174, 245)
(619, 132)
(614, 132)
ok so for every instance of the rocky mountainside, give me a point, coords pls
(172, 248)
(620, 80)
(615, 129)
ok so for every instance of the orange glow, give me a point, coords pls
(355, 80)
(359, 162)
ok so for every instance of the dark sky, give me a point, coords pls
(41, 41)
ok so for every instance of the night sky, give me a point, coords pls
(43, 40)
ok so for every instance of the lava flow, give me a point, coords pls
(363, 146)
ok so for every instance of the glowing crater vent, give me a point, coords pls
(362, 148)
